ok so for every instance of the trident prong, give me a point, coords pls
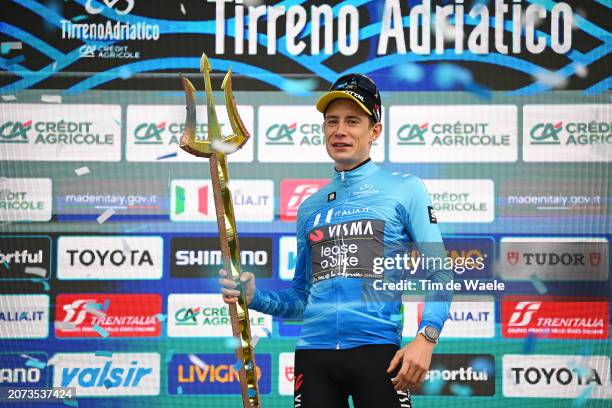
(205, 148)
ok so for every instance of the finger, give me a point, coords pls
(246, 277)
(402, 381)
(222, 273)
(414, 374)
(394, 361)
(230, 300)
(226, 283)
(422, 377)
(230, 292)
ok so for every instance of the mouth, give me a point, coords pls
(340, 145)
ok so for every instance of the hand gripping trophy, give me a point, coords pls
(215, 148)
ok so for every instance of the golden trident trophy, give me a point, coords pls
(215, 149)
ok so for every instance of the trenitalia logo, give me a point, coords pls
(555, 318)
(15, 132)
(412, 134)
(125, 315)
(217, 375)
(149, 133)
(294, 192)
(120, 375)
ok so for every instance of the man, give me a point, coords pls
(349, 344)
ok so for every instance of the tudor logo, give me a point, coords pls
(594, 258)
(512, 257)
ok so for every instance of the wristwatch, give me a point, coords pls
(430, 333)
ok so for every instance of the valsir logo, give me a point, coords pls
(122, 374)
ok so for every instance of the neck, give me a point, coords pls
(341, 167)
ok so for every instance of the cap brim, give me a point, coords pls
(329, 97)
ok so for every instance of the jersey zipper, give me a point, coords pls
(346, 196)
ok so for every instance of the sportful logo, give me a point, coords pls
(91, 9)
(524, 311)
(15, 132)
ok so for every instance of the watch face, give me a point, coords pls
(432, 332)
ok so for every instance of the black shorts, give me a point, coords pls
(326, 378)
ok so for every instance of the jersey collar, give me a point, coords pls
(361, 172)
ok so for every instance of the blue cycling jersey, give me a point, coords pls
(361, 215)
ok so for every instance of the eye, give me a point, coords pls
(353, 122)
(331, 122)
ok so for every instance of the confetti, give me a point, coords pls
(105, 215)
(6, 265)
(460, 389)
(167, 156)
(409, 72)
(161, 317)
(223, 147)
(51, 98)
(81, 171)
(71, 403)
(108, 383)
(100, 330)
(183, 9)
(581, 70)
(396, 317)
(106, 305)
(299, 87)
(267, 332)
(42, 282)
(95, 311)
(251, 392)
(169, 355)
(197, 361)
(54, 66)
(103, 353)
(6, 47)
(551, 79)
(179, 390)
(232, 343)
(237, 365)
(54, 360)
(80, 17)
(529, 344)
(584, 396)
(538, 284)
(8, 98)
(66, 326)
(35, 364)
(35, 270)
(28, 357)
(126, 246)
(117, 122)
(254, 340)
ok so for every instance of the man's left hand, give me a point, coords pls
(415, 359)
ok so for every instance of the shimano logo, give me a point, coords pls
(206, 257)
(19, 375)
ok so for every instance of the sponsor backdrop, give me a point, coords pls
(108, 246)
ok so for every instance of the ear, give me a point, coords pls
(375, 132)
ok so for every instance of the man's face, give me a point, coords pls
(348, 134)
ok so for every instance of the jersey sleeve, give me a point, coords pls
(422, 226)
(289, 303)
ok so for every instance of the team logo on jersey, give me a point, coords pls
(331, 196)
(432, 215)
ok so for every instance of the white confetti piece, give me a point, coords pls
(195, 360)
(7, 98)
(551, 79)
(581, 70)
(35, 270)
(28, 357)
(183, 9)
(12, 45)
(51, 98)
(126, 247)
(54, 360)
(254, 340)
(54, 66)
(95, 312)
(252, 3)
(223, 147)
(81, 171)
(67, 326)
(105, 216)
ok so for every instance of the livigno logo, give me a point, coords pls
(285, 134)
(15, 131)
(574, 133)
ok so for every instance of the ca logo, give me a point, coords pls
(281, 134)
(412, 134)
(89, 6)
(149, 133)
(15, 132)
(546, 133)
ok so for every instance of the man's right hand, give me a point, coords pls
(228, 287)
